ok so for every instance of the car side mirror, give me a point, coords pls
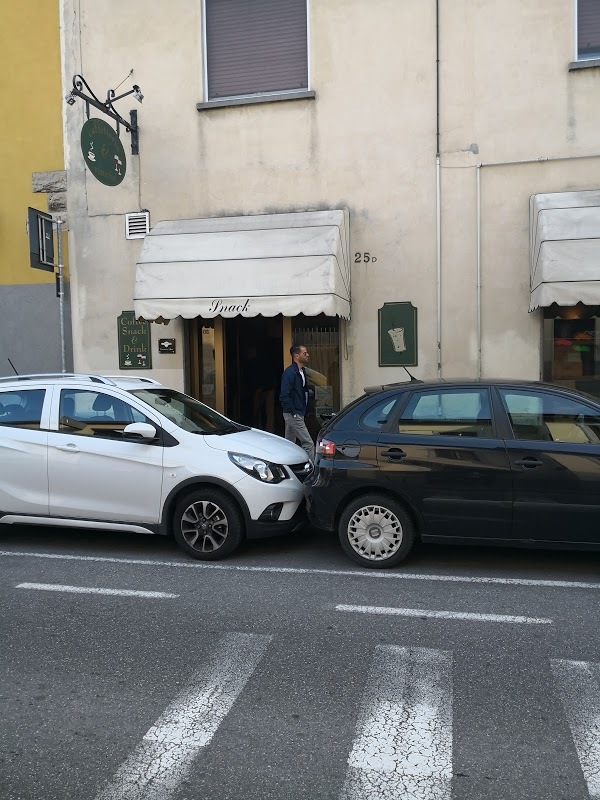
(139, 430)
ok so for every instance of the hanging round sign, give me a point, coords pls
(103, 152)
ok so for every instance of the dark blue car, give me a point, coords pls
(494, 462)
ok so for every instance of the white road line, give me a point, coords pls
(56, 587)
(403, 744)
(422, 612)
(375, 574)
(578, 683)
(165, 755)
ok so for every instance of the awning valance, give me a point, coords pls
(228, 266)
(565, 249)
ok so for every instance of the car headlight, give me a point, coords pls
(259, 468)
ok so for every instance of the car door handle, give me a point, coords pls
(529, 462)
(394, 454)
(68, 448)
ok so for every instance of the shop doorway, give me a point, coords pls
(234, 365)
(253, 351)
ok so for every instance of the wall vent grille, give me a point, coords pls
(137, 224)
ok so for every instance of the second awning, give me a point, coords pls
(565, 249)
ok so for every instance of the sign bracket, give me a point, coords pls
(107, 107)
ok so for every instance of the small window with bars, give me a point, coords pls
(255, 48)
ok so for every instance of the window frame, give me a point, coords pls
(253, 97)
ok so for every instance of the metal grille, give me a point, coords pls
(137, 224)
(300, 471)
(322, 340)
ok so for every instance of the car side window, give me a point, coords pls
(377, 416)
(546, 417)
(448, 412)
(94, 413)
(22, 408)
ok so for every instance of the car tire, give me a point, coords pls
(208, 524)
(376, 531)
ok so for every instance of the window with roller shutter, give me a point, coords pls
(588, 29)
(255, 47)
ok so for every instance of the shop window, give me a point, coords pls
(588, 29)
(572, 347)
(254, 48)
(321, 335)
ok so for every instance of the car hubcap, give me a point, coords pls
(374, 532)
(204, 526)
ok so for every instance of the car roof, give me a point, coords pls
(482, 382)
(55, 378)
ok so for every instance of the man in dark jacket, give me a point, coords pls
(294, 400)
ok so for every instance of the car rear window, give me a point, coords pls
(22, 408)
(377, 416)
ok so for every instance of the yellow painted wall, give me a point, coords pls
(30, 125)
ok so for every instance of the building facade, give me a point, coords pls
(31, 141)
(397, 184)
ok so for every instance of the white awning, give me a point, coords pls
(565, 249)
(228, 266)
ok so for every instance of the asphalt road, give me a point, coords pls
(288, 672)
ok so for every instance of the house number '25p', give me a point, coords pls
(364, 258)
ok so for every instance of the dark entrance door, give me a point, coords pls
(253, 365)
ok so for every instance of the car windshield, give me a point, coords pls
(187, 413)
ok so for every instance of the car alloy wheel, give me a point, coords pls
(376, 531)
(207, 524)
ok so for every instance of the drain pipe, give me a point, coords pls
(438, 193)
(479, 270)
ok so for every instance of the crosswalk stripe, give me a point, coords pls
(403, 743)
(578, 683)
(166, 753)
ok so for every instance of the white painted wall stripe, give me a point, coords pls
(578, 684)
(422, 612)
(56, 587)
(403, 744)
(374, 574)
(166, 753)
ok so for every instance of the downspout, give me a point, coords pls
(478, 270)
(438, 193)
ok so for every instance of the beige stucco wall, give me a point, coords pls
(367, 143)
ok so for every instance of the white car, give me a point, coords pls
(129, 454)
